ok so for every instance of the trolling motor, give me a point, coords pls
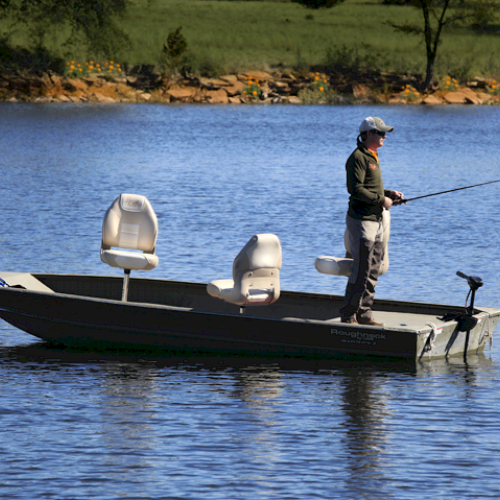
(468, 322)
(474, 282)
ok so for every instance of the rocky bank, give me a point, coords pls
(282, 87)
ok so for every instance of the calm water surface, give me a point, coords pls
(79, 425)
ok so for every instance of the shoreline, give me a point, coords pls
(249, 87)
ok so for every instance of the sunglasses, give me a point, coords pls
(381, 134)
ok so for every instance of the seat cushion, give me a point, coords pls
(220, 288)
(333, 265)
(129, 260)
(225, 290)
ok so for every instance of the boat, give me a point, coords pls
(246, 315)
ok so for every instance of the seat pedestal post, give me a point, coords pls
(126, 280)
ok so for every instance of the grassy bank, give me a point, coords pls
(229, 36)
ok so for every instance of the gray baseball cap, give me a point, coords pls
(374, 123)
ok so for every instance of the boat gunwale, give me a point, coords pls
(285, 319)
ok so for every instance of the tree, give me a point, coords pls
(438, 15)
(174, 48)
(90, 22)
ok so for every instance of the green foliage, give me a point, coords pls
(462, 68)
(317, 4)
(397, 2)
(493, 87)
(340, 58)
(410, 94)
(352, 60)
(319, 91)
(438, 16)
(92, 23)
(201, 64)
(77, 70)
(315, 96)
(252, 88)
(483, 13)
(230, 36)
(449, 84)
(174, 48)
(319, 82)
(30, 60)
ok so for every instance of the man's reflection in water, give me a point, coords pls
(366, 432)
(260, 388)
(128, 414)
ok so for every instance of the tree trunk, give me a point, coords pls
(431, 45)
(431, 55)
(429, 72)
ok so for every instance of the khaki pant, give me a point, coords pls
(367, 248)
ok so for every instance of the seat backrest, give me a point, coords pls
(263, 251)
(130, 222)
(256, 270)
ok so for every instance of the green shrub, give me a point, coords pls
(252, 88)
(174, 49)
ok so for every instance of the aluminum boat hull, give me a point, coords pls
(86, 311)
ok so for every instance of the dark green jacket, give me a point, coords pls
(365, 185)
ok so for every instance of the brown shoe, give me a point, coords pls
(369, 322)
(352, 321)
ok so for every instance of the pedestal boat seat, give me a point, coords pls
(256, 274)
(129, 233)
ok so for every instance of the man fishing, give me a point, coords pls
(368, 199)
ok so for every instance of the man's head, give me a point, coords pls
(373, 130)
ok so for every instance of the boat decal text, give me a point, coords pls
(357, 337)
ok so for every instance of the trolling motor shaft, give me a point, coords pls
(469, 322)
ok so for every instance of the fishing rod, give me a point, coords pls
(449, 191)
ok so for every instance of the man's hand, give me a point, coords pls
(387, 203)
(397, 197)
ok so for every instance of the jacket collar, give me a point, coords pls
(364, 149)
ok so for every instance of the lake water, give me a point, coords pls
(79, 425)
